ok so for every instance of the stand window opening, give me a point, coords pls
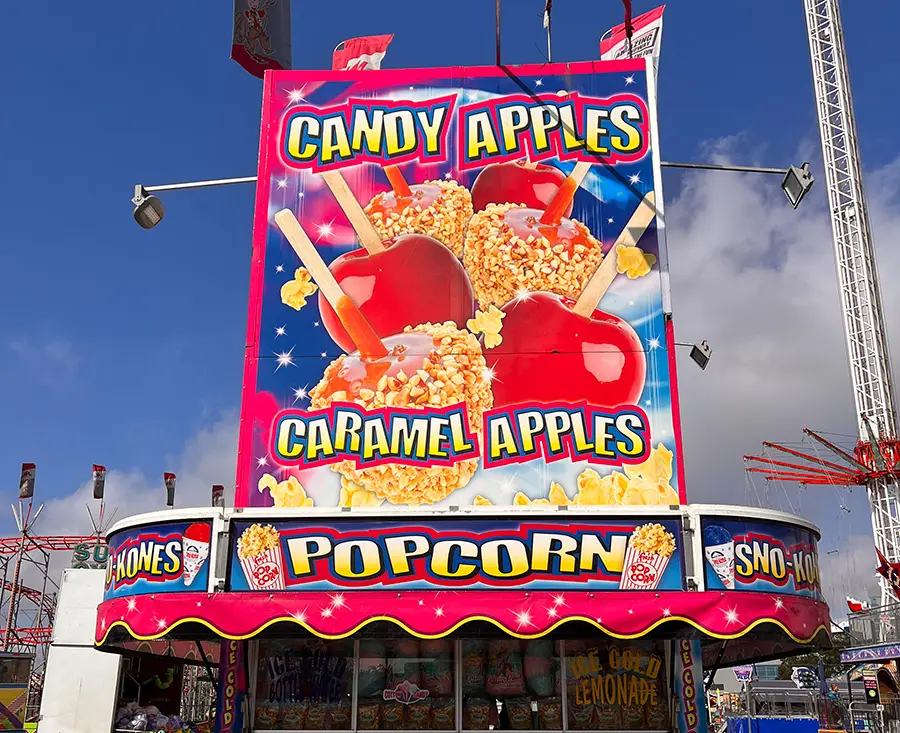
(304, 685)
(406, 684)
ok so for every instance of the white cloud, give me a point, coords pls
(758, 281)
(51, 362)
(208, 458)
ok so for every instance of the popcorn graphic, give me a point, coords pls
(649, 550)
(718, 545)
(259, 550)
(194, 550)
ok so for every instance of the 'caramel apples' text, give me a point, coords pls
(390, 132)
(442, 436)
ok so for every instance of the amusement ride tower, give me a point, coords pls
(874, 462)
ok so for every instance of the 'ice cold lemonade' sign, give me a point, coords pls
(468, 390)
(626, 555)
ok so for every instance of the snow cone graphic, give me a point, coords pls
(259, 550)
(194, 550)
(718, 545)
(649, 550)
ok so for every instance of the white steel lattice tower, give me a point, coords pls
(857, 277)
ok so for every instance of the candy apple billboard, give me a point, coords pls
(459, 292)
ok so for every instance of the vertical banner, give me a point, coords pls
(261, 39)
(169, 480)
(218, 495)
(690, 698)
(26, 481)
(99, 478)
(232, 690)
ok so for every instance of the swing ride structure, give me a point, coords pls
(28, 593)
(874, 462)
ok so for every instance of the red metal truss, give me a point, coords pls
(11, 545)
(870, 461)
(34, 636)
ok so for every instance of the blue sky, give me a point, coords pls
(120, 346)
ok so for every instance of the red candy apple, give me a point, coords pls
(550, 353)
(413, 280)
(517, 182)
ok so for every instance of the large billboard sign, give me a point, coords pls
(459, 292)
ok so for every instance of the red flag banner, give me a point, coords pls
(99, 480)
(26, 481)
(645, 40)
(169, 480)
(855, 606)
(889, 571)
(358, 54)
(261, 38)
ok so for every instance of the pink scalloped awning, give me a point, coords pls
(430, 614)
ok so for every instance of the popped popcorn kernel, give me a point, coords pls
(558, 495)
(595, 490)
(295, 292)
(521, 499)
(480, 500)
(657, 467)
(633, 262)
(354, 495)
(489, 323)
(653, 538)
(285, 494)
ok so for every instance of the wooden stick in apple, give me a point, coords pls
(363, 335)
(606, 273)
(368, 235)
(556, 209)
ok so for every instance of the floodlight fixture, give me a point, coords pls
(148, 209)
(700, 353)
(796, 183)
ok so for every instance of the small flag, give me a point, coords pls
(99, 480)
(169, 479)
(548, 6)
(261, 38)
(645, 39)
(856, 606)
(360, 54)
(218, 495)
(889, 571)
(26, 481)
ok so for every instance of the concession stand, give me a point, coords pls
(460, 501)
(469, 618)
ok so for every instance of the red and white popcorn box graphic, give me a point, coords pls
(264, 571)
(642, 570)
